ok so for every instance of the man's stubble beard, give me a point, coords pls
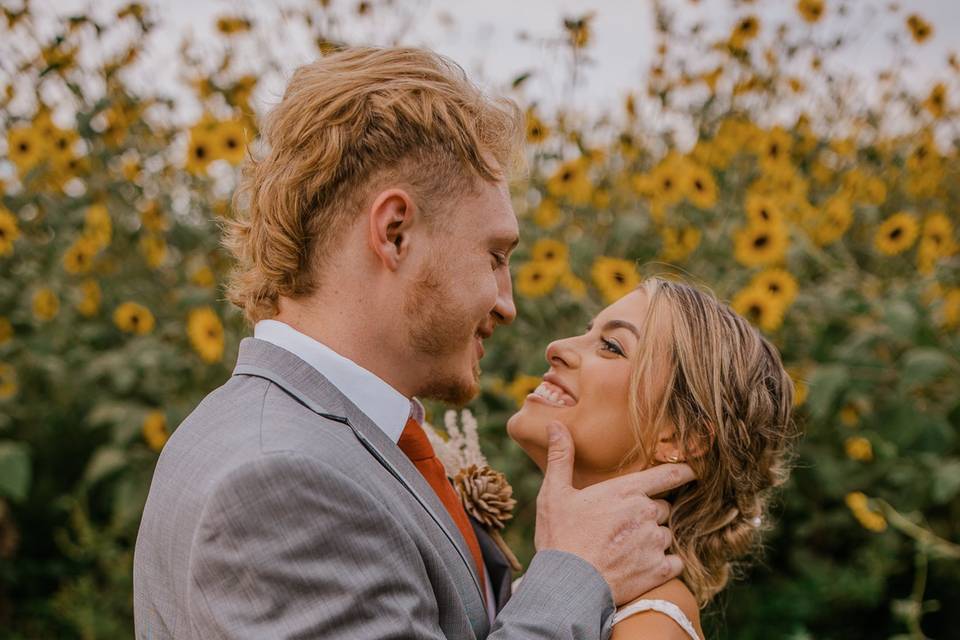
(437, 330)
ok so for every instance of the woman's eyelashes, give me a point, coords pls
(612, 347)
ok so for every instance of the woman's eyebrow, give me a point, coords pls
(618, 324)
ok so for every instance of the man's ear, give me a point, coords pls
(390, 218)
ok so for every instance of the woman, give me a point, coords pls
(670, 374)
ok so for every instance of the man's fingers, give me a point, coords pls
(673, 566)
(559, 471)
(663, 510)
(659, 479)
(667, 537)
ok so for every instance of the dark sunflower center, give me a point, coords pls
(764, 214)
(232, 143)
(761, 241)
(567, 176)
(698, 185)
(896, 233)
(755, 311)
(619, 277)
(549, 255)
(134, 320)
(536, 277)
(24, 147)
(200, 152)
(667, 184)
(535, 131)
(774, 287)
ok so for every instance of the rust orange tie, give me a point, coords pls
(414, 443)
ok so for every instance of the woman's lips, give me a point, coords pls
(552, 395)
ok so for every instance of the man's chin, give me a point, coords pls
(457, 390)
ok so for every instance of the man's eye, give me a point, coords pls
(612, 347)
(499, 259)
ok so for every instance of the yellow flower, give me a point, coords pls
(537, 131)
(25, 147)
(858, 448)
(763, 210)
(759, 307)
(679, 243)
(701, 187)
(937, 239)
(230, 25)
(46, 305)
(761, 245)
(951, 308)
(201, 150)
(203, 277)
(837, 216)
(536, 279)
(744, 31)
(936, 102)
(774, 150)
(153, 218)
(614, 277)
(551, 253)
(811, 10)
(573, 284)
(133, 318)
(6, 331)
(849, 416)
(8, 381)
(9, 231)
(868, 519)
(89, 303)
(920, 29)
(666, 182)
(578, 30)
(79, 257)
(778, 283)
(154, 249)
(570, 181)
(231, 141)
(896, 234)
(800, 386)
(97, 225)
(521, 387)
(155, 429)
(547, 214)
(206, 333)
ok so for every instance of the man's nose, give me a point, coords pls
(505, 310)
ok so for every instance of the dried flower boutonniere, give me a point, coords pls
(485, 493)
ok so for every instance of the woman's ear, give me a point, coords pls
(669, 449)
(390, 217)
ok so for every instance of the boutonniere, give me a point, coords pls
(484, 492)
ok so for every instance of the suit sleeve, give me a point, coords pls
(562, 597)
(290, 548)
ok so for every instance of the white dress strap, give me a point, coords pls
(663, 606)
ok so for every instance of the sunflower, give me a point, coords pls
(811, 10)
(938, 235)
(570, 181)
(155, 429)
(522, 386)
(573, 284)
(858, 448)
(759, 307)
(763, 210)
(79, 257)
(836, 217)
(761, 245)
(97, 225)
(614, 277)
(89, 302)
(153, 218)
(774, 150)
(6, 331)
(231, 141)
(537, 131)
(920, 29)
(666, 183)
(896, 234)
(206, 333)
(230, 25)
(744, 31)
(547, 214)
(872, 520)
(679, 243)
(936, 102)
(133, 318)
(951, 308)
(800, 386)
(778, 283)
(536, 279)
(200, 150)
(849, 416)
(8, 381)
(45, 304)
(203, 277)
(154, 249)
(550, 252)
(25, 146)
(9, 231)
(701, 187)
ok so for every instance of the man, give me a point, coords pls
(300, 499)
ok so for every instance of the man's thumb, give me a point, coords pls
(559, 469)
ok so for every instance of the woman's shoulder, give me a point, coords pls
(658, 622)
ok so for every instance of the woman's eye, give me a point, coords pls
(612, 347)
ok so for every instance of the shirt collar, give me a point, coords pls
(385, 406)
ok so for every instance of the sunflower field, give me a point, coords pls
(820, 202)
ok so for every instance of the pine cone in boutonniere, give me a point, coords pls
(485, 493)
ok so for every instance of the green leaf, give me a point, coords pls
(15, 472)
(104, 462)
(924, 365)
(826, 384)
(946, 480)
(901, 317)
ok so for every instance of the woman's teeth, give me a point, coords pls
(554, 395)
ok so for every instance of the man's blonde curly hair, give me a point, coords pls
(348, 124)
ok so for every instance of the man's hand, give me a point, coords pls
(613, 525)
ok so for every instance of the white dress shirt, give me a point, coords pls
(385, 406)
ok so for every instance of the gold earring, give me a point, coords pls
(673, 458)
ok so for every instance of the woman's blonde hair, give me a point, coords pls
(729, 401)
(348, 123)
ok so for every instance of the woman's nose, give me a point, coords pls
(562, 353)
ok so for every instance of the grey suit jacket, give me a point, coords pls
(279, 510)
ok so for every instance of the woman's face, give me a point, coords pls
(587, 388)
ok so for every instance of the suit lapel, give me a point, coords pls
(498, 568)
(306, 384)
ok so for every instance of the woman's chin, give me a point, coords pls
(530, 432)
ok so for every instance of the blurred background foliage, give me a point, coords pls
(832, 227)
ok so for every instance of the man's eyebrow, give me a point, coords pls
(618, 324)
(510, 240)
